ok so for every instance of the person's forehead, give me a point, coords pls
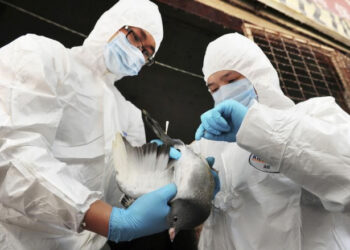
(221, 75)
(144, 34)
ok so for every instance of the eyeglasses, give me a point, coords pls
(136, 41)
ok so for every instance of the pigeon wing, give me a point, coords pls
(140, 170)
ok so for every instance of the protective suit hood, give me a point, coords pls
(138, 13)
(236, 52)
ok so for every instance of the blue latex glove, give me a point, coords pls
(211, 161)
(173, 153)
(222, 122)
(146, 216)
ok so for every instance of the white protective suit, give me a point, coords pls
(59, 112)
(259, 207)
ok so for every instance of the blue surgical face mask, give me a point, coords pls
(241, 90)
(122, 58)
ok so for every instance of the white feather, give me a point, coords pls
(141, 169)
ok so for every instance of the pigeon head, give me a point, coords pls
(185, 214)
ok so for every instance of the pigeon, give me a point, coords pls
(140, 170)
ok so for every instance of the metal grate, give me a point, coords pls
(343, 63)
(305, 69)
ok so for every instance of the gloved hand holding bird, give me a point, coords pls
(140, 170)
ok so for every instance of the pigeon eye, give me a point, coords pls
(175, 218)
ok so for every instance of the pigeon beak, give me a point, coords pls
(172, 233)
